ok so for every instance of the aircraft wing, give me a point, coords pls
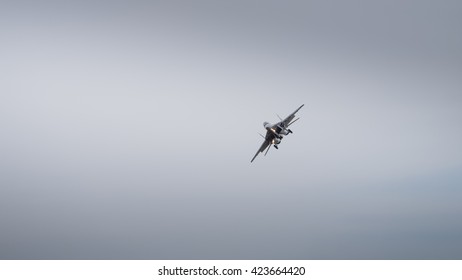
(266, 144)
(288, 121)
(262, 148)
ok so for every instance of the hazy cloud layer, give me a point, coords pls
(127, 129)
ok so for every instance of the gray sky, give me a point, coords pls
(127, 129)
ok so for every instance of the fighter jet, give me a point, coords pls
(275, 132)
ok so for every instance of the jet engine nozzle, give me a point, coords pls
(276, 141)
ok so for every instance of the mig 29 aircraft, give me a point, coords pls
(275, 132)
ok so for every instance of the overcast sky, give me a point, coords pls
(127, 129)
